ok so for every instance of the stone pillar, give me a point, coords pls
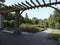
(1, 21)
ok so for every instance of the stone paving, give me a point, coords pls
(39, 38)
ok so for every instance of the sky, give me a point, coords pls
(40, 13)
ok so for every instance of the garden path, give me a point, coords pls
(39, 38)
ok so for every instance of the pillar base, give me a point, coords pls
(17, 33)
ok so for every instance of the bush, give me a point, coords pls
(28, 28)
(41, 29)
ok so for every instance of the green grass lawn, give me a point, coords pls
(55, 34)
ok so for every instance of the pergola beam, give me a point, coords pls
(27, 6)
(17, 6)
(44, 2)
(55, 9)
(50, 1)
(38, 2)
(33, 3)
(24, 4)
(21, 5)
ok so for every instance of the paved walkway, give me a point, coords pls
(39, 38)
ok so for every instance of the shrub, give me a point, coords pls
(28, 28)
(41, 29)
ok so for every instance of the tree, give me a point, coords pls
(57, 18)
(51, 21)
(2, 3)
(41, 23)
(26, 18)
(21, 19)
(35, 20)
(56, 15)
(9, 20)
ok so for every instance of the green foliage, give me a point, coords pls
(35, 20)
(9, 21)
(2, 3)
(6, 23)
(53, 19)
(40, 28)
(28, 28)
(9, 24)
(55, 34)
(26, 18)
(56, 15)
(43, 23)
(21, 19)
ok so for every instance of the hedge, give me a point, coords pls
(28, 28)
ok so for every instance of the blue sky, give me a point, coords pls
(40, 13)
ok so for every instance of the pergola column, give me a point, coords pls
(17, 29)
(1, 21)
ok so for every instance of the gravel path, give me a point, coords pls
(39, 38)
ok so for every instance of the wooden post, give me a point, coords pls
(1, 21)
(17, 30)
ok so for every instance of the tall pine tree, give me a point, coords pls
(26, 18)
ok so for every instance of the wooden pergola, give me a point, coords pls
(20, 8)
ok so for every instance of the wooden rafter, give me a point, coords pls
(24, 4)
(33, 3)
(44, 1)
(38, 2)
(27, 5)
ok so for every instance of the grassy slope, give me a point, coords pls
(55, 34)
